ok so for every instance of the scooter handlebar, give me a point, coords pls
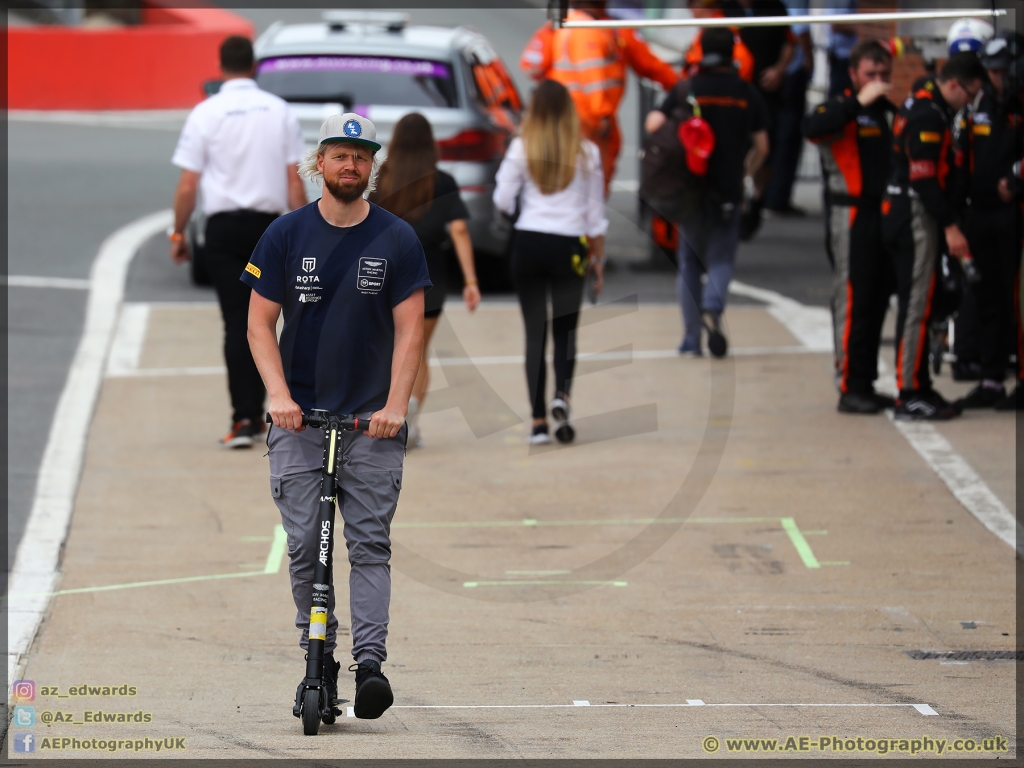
(322, 419)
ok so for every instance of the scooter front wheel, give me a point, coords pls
(311, 712)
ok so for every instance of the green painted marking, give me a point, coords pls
(802, 547)
(134, 584)
(273, 565)
(277, 550)
(519, 583)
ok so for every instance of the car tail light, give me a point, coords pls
(473, 145)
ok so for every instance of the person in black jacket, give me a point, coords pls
(854, 134)
(919, 218)
(992, 139)
(708, 242)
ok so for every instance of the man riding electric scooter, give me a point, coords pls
(349, 277)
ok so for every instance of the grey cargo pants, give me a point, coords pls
(369, 481)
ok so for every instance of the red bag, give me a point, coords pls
(698, 140)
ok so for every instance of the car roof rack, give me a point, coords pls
(392, 21)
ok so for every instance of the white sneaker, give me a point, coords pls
(564, 430)
(540, 435)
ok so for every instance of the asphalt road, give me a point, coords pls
(68, 187)
(71, 185)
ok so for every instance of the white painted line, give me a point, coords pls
(126, 348)
(625, 185)
(812, 326)
(924, 709)
(583, 703)
(36, 562)
(209, 370)
(36, 281)
(962, 480)
(351, 712)
(640, 354)
(155, 119)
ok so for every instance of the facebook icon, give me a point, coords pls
(24, 742)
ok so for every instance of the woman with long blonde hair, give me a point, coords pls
(412, 187)
(559, 239)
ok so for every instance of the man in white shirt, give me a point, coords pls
(241, 147)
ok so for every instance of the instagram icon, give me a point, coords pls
(23, 690)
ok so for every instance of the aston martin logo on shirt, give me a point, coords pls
(370, 275)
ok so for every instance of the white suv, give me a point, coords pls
(378, 66)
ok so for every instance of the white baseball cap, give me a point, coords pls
(349, 127)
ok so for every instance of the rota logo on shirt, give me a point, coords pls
(370, 275)
(308, 265)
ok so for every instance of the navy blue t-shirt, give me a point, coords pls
(337, 286)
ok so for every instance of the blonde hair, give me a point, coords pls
(551, 137)
(308, 167)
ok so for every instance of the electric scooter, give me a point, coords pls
(311, 700)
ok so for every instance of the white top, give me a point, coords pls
(240, 141)
(576, 210)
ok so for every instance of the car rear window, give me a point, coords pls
(359, 80)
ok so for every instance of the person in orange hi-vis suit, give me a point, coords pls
(741, 55)
(591, 64)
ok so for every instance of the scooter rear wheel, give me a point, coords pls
(311, 712)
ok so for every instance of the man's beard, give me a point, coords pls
(346, 191)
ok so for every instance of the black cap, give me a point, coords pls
(716, 44)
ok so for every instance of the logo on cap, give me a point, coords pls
(353, 128)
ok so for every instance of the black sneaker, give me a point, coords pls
(540, 436)
(856, 402)
(981, 397)
(884, 401)
(924, 406)
(331, 670)
(718, 345)
(242, 435)
(967, 370)
(1013, 401)
(373, 691)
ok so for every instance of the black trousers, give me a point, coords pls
(914, 242)
(543, 263)
(994, 236)
(231, 238)
(863, 281)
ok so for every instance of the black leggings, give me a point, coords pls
(541, 262)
